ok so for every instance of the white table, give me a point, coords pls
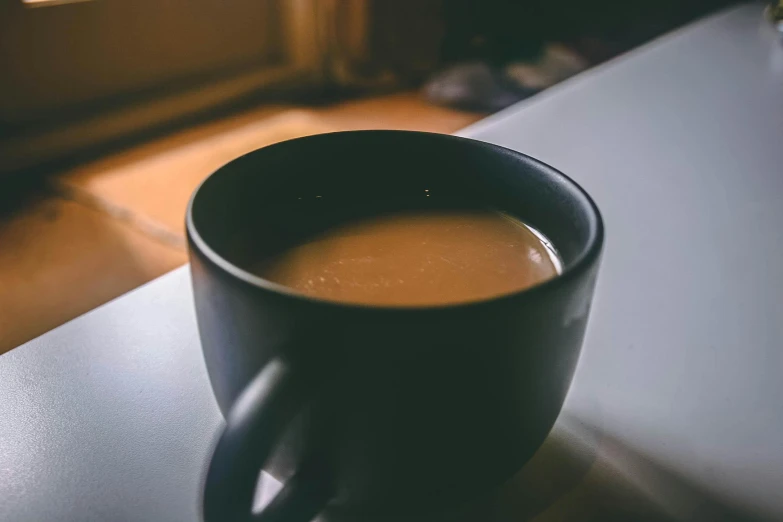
(677, 405)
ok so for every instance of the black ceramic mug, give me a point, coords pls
(375, 410)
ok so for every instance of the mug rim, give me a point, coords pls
(587, 256)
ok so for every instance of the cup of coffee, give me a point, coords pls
(390, 320)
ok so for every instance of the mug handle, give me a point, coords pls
(253, 427)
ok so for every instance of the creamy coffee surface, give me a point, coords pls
(417, 259)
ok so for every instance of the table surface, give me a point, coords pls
(676, 403)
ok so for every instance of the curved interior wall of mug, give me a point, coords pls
(278, 196)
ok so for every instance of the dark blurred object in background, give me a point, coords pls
(498, 52)
(381, 45)
(775, 14)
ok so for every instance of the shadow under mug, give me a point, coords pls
(372, 410)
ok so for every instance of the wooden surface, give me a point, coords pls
(117, 222)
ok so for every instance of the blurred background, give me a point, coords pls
(112, 111)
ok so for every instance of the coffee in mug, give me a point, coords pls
(417, 258)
